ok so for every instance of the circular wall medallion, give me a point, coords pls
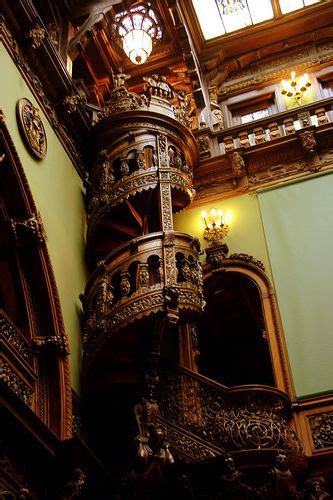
(32, 128)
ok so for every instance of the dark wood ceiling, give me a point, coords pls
(183, 54)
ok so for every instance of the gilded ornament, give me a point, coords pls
(32, 128)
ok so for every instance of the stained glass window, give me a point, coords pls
(218, 17)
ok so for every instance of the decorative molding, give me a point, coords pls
(121, 100)
(247, 258)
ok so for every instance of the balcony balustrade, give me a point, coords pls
(222, 419)
(265, 130)
(159, 272)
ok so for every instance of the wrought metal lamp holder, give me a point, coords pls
(215, 226)
(296, 88)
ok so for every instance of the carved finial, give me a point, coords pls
(72, 101)
(120, 78)
(36, 36)
(157, 86)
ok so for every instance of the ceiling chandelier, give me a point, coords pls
(138, 29)
(231, 6)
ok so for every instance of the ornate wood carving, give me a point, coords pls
(322, 430)
(230, 419)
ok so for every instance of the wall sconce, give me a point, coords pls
(216, 227)
(295, 89)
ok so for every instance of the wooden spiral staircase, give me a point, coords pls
(143, 296)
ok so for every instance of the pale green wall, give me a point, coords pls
(246, 234)
(298, 222)
(57, 191)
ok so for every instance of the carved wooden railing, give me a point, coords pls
(221, 418)
(16, 360)
(264, 130)
(152, 273)
(110, 191)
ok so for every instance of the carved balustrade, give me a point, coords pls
(133, 170)
(265, 130)
(227, 419)
(150, 274)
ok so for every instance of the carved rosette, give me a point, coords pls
(32, 128)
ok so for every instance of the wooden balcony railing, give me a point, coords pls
(153, 273)
(228, 419)
(264, 130)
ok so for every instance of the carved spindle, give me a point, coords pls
(304, 119)
(143, 276)
(274, 131)
(178, 160)
(289, 126)
(140, 159)
(321, 116)
(125, 286)
(228, 143)
(171, 156)
(259, 135)
(244, 139)
(124, 167)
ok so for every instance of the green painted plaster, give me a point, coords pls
(299, 232)
(246, 234)
(57, 191)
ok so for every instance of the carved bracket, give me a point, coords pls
(29, 230)
(54, 345)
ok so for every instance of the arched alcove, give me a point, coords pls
(240, 333)
(33, 357)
